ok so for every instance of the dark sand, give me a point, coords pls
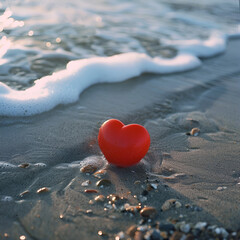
(165, 105)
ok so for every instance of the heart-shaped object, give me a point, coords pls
(123, 145)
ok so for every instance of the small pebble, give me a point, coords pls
(221, 231)
(103, 183)
(221, 188)
(148, 212)
(139, 235)
(113, 198)
(197, 209)
(24, 193)
(43, 190)
(131, 231)
(170, 203)
(91, 202)
(178, 204)
(164, 235)
(88, 169)
(152, 234)
(211, 228)
(190, 237)
(100, 173)
(142, 228)
(185, 227)
(22, 237)
(102, 234)
(149, 187)
(137, 182)
(99, 198)
(24, 165)
(142, 198)
(91, 191)
(120, 236)
(89, 211)
(177, 236)
(194, 132)
(154, 185)
(200, 225)
(86, 183)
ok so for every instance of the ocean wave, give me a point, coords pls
(65, 86)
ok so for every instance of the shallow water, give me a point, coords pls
(38, 40)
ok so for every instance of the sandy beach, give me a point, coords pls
(201, 172)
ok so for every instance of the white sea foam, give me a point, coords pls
(97, 161)
(65, 86)
(214, 45)
(75, 164)
(7, 198)
(40, 165)
(6, 165)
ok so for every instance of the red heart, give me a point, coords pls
(123, 145)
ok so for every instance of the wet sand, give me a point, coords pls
(168, 106)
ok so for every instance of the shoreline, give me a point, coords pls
(208, 95)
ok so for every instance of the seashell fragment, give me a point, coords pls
(88, 168)
(148, 212)
(24, 165)
(43, 190)
(103, 183)
(99, 198)
(86, 183)
(131, 231)
(137, 182)
(89, 211)
(194, 132)
(91, 191)
(100, 173)
(24, 193)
